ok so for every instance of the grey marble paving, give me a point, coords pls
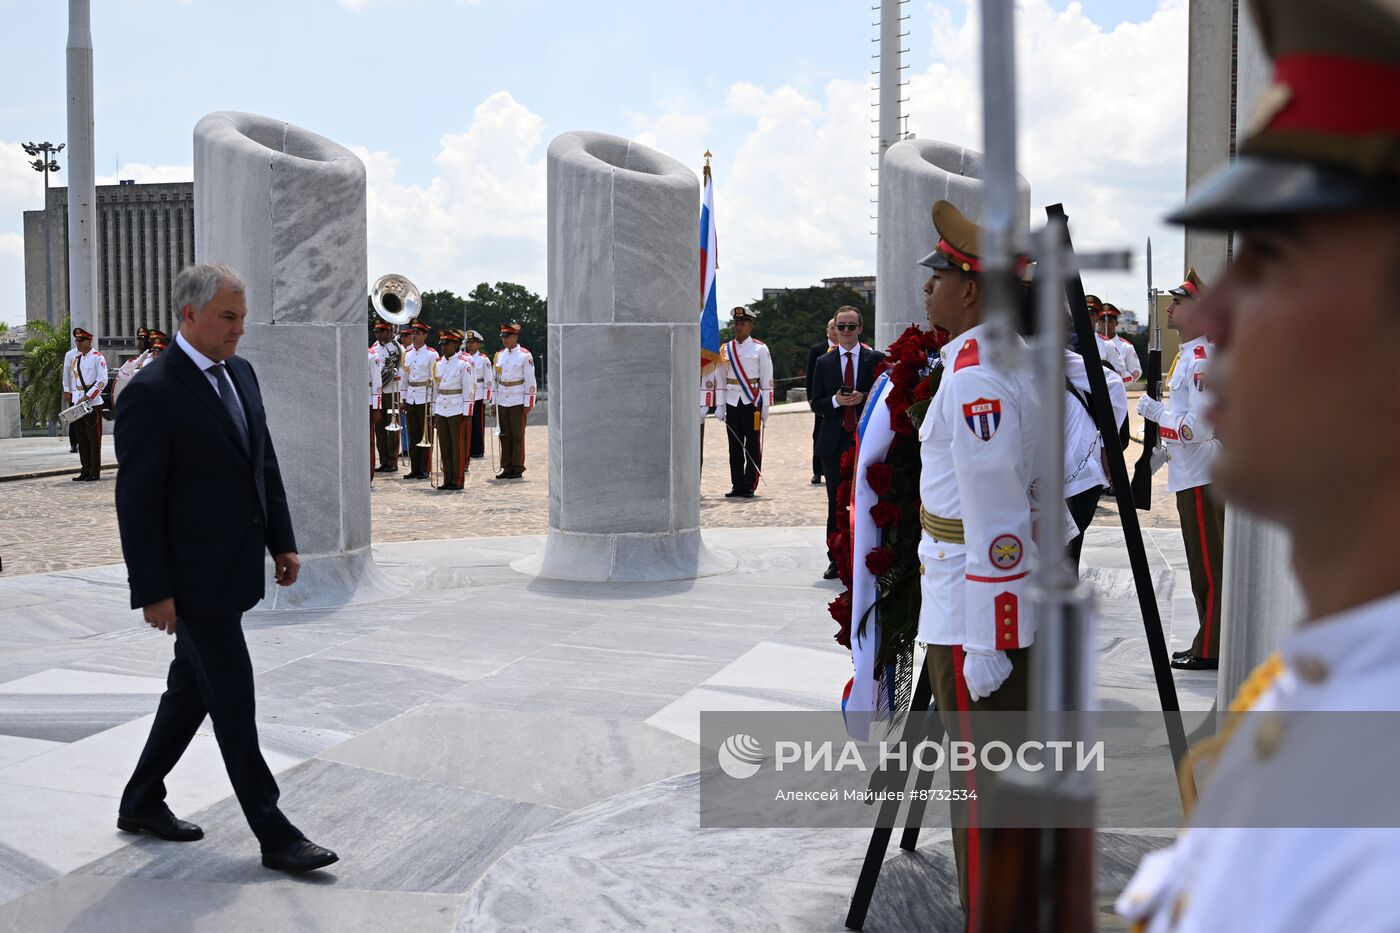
(20, 873)
(90, 904)
(393, 833)
(68, 717)
(545, 758)
(344, 696)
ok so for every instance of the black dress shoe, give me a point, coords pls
(746, 494)
(72, 450)
(733, 494)
(504, 474)
(831, 572)
(163, 825)
(302, 855)
(816, 480)
(94, 478)
(1178, 655)
(1193, 663)
(80, 477)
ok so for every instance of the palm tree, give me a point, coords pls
(7, 376)
(41, 399)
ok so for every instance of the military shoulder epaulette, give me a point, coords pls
(967, 356)
(757, 341)
(1200, 351)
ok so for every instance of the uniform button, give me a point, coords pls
(1313, 670)
(1006, 636)
(1005, 621)
(1269, 737)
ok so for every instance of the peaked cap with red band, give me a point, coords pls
(1193, 287)
(1326, 135)
(958, 239)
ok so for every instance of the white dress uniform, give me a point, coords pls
(1280, 880)
(483, 371)
(978, 444)
(418, 367)
(1129, 355)
(1083, 445)
(88, 369)
(514, 374)
(1110, 354)
(1190, 441)
(755, 362)
(711, 387)
(456, 384)
(376, 378)
(68, 359)
(129, 369)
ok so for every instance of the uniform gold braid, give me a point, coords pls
(1260, 680)
(1254, 686)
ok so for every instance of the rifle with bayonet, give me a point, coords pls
(1142, 470)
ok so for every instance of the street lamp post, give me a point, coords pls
(45, 151)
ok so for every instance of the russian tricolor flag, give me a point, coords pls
(709, 262)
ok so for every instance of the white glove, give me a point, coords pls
(1150, 408)
(1159, 457)
(985, 671)
(719, 411)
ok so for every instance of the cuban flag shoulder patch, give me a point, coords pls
(983, 417)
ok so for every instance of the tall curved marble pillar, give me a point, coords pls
(285, 208)
(913, 175)
(624, 342)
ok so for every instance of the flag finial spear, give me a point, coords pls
(708, 156)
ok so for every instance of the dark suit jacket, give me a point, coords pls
(827, 377)
(196, 511)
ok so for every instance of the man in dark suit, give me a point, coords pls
(814, 353)
(199, 500)
(840, 380)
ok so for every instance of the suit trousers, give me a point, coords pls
(512, 419)
(816, 457)
(944, 666)
(831, 471)
(450, 448)
(478, 432)
(416, 420)
(1203, 532)
(745, 447)
(90, 442)
(386, 441)
(212, 674)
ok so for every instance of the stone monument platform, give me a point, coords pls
(488, 751)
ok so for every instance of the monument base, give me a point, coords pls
(328, 581)
(625, 558)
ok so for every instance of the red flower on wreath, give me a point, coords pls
(899, 420)
(840, 609)
(879, 560)
(884, 514)
(848, 463)
(905, 374)
(924, 390)
(880, 476)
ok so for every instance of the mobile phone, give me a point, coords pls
(845, 390)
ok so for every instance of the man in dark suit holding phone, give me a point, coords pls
(199, 500)
(840, 380)
(814, 353)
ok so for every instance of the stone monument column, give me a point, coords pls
(285, 209)
(913, 175)
(624, 341)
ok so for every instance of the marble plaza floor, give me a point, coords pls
(486, 751)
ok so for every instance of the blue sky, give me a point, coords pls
(452, 104)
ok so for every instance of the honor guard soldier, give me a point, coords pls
(977, 444)
(86, 379)
(387, 353)
(1109, 354)
(405, 340)
(1315, 197)
(420, 362)
(514, 391)
(145, 343)
(1132, 366)
(455, 385)
(747, 368)
(1190, 445)
(481, 367)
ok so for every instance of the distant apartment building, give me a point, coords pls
(145, 236)
(863, 284)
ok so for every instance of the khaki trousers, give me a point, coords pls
(512, 420)
(1203, 532)
(451, 450)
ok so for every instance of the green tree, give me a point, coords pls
(7, 376)
(484, 310)
(41, 399)
(791, 322)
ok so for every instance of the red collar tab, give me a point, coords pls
(1341, 96)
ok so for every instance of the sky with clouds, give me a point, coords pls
(452, 103)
